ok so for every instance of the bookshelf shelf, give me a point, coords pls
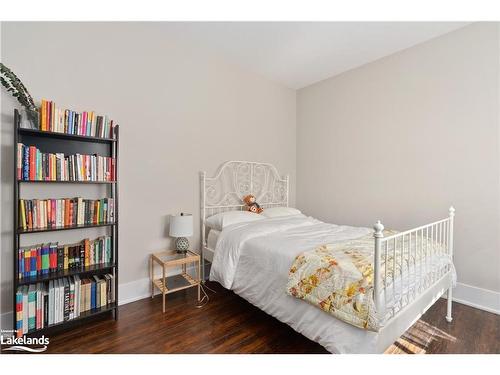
(64, 136)
(69, 144)
(67, 227)
(83, 316)
(95, 270)
(66, 182)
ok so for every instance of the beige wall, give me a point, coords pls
(403, 138)
(180, 110)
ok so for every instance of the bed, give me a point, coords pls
(254, 258)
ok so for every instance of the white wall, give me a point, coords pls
(180, 110)
(403, 138)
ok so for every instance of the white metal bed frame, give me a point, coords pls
(235, 179)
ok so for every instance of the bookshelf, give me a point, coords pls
(52, 142)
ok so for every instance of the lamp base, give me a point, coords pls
(181, 245)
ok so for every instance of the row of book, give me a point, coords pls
(43, 259)
(44, 304)
(34, 165)
(66, 121)
(57, 213)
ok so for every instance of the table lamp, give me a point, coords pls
(181, 226)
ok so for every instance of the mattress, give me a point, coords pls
(253, 260)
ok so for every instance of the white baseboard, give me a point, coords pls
(134, 291)
(139, 289)
(483, 299)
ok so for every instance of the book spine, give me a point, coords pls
(27, 262)
(38, 312)
(45, 259)
(45, 309)
(66, 301)
(92, 295)
(19, 313)
(65, 258)
(20, 257)
(19, 161)
(31, 309)
(33, 263)
(38, 261)
(60, 258)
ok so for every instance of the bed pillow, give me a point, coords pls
(222, 220)
(279, 211)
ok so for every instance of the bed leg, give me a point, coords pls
(448, 308)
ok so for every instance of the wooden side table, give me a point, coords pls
(171, 258)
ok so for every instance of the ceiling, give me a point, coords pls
(298, 54)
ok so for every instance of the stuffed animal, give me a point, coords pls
(252, 205)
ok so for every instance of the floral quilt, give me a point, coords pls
(338, 278)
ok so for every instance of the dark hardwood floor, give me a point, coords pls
(229, 324)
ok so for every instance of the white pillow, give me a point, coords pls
(279, 211)
(222, 220)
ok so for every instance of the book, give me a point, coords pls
(76, 280)
(61, 299)
(60, 258)
(45, 269)
(56, 301)
(71, 298)
(67, 121)
(39, 166)
(44, 304)
(87, 295)
(83, 295)
(66, 303)
(42, 259)
(33, 262)
(19, 312)
(97, 292)
(56, 213)
(39, 306)
(92, 294)
(32, 308)
(103, 293)
(25, 309)
(51, 302)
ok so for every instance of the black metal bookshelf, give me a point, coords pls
(68, 144)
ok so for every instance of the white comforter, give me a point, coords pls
(253, 259)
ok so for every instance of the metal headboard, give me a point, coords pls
(234, 180)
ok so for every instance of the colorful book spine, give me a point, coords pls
(46, 303)
(33, 262)
(19, 313)
(46, 259)
(67, 121)
(37, 166)
(32, 308)
(43, 259)
(53, 213)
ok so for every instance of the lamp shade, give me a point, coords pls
(181, 225)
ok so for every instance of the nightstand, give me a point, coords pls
(171, 259)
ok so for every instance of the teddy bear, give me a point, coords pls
(252, 205)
